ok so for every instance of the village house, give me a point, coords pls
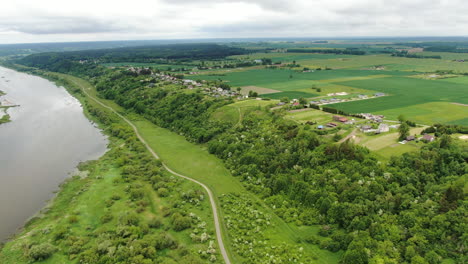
(340, 119)
(428, 138)
(379, 94)
(383, 128)
(332, 125)
(367, 128)
(410, 138)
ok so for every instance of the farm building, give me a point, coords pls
(379, 94)
(428, 138)
(366, 128)
(332, 125)
(340, 119)
(410, 138)
(383, 128)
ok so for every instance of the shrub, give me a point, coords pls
(163, 192)
(106, 218)
(40, 252)
(154, 222)
(180, 222)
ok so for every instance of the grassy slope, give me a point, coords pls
(194, 161)
(86, 198)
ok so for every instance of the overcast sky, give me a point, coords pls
(85, 20)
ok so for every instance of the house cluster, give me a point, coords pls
(219, 92)
(138, 70)
(425, 137)
(328, 101)
(382, 128)
(337, 94)
(190, 84)
(373, 118)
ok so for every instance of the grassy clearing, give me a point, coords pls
(386, 145)
(234, 112)
(289, 94)
(260, 90)
(311, 115)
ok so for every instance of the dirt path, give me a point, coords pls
(351, 135)
(153, 153)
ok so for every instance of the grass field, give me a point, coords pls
(313, 60)
(311, 115)
(300, 83)
(386, 145)
(431, 113)
(405, 94)
(234, 112)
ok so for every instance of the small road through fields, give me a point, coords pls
(155, 155)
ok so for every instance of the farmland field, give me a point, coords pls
(404, 96)
(314, 60)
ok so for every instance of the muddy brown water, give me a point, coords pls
(47, 138)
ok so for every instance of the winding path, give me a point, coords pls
(155, 155)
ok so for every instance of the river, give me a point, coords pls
(47, 138)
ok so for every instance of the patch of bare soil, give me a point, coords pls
(259, 90)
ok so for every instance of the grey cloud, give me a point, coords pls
(274, 5)
(64, 25)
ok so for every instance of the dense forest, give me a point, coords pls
(347, 51)
(411, 209)
(56, 60)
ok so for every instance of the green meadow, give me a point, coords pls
(410, 96)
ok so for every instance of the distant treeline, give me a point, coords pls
(348, 51)
(455, 47)
(134, 54)
(414, 56)
(440, 129)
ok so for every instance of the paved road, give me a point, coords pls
(155, 155)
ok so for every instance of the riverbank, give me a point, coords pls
(106, 196)
(39, 147)
(4, 116)
(190, 159)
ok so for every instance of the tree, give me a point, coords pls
(403, 130)
(302, 101)
(356, 255)
(285, 100)
(401, 118)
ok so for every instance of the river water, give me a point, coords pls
(47, 138)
